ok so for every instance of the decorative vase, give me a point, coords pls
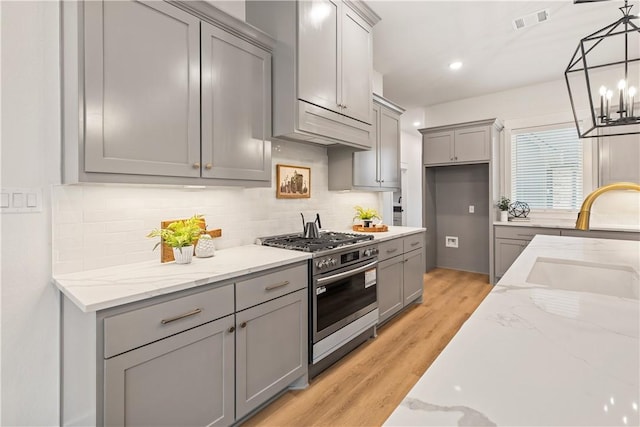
(367, 222)
(183, 255)
(205, 247)
(504, 216)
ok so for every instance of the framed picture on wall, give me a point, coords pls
(293, 182)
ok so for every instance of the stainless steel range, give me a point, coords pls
(343, 305)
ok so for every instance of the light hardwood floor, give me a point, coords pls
(364, 388)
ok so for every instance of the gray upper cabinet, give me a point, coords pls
(323, 69)
(619, 159)
(164, 92)
(142, 89)
(377, 169)
(464, 143)
(236, 107)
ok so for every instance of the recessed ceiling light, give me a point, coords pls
(416, 124)
(455, 65)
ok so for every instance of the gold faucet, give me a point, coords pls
(582, 223)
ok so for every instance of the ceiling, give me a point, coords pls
(415, 41)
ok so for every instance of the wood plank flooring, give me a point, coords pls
(364, 388)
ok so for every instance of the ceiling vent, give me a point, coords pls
(531, 19)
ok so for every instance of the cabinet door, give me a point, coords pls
(357, 66)
(471, 144)
(507, 251)
(271, 349)
(413, 266)
(389, 286)
(142, 89)
(236, 107)
(365, 163)
(438, 148)
(186, 379)
(318, 63)
(620, 159)
(389, 149)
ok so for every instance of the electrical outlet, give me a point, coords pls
(472, 209)
(451, 241)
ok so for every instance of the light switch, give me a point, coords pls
(472, 209)
(32, 200)
(4, 200)
(18, 200)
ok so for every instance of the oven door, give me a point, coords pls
(342, 296)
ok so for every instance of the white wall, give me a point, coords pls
(30, 153)
(98, 226)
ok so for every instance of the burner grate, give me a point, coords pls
(326, 240)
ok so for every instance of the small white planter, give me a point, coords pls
(504, 216)
(183, 255)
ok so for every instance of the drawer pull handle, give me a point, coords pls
(181, 316)
(243, 324)
(276, 286)
(390, 251)
(415, 243)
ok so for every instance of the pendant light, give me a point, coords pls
(603, 76)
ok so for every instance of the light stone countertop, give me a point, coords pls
(564, 224)
(392, 233)
(554, 354)
(99, 289)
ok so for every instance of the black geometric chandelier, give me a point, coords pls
(603, 77)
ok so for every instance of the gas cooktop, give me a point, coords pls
(325, 241)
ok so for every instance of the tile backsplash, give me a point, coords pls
(97, 226)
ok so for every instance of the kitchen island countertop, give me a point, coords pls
(103, 288)
(542, 349)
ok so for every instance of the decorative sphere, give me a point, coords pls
(519, 209)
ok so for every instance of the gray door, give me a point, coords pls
(357, 63)
(471, 144)
(438, 148)
(413, 275)
(389, 149)
(271, 349)
(389, 286)
(236, 107)
(185, 380)
(318, 61)
(142, 89)
(365, 163)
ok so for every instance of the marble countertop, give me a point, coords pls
(543, 352)
(109, 287)
(392, 233)
(567, 225)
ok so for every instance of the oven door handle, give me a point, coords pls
(346, 273)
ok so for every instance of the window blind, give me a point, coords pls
(546, 168)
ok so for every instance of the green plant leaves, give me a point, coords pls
(179, 234)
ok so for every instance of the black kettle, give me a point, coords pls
(310, 229)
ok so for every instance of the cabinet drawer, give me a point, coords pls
(415, 241)
(524, 233)
(126, 331)
(269, 286)
(390, 249)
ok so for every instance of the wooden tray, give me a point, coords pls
(166, 252)
(376, 229)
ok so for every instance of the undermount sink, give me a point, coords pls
(612, 280)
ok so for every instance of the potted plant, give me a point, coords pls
(503, 205)
(366, 215)
(180, 236)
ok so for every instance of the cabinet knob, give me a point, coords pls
(232, 329)
(382, 180)
(208, 166)
(196, 165)
(344, 106)
(456, 157)
(243, 324)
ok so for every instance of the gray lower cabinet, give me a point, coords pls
(186, 379)
(400, 274)
(165, 92)
(510, 241)
(271, 341)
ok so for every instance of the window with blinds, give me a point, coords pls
(546, 167)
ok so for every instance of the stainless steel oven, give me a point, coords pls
(344, 304)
